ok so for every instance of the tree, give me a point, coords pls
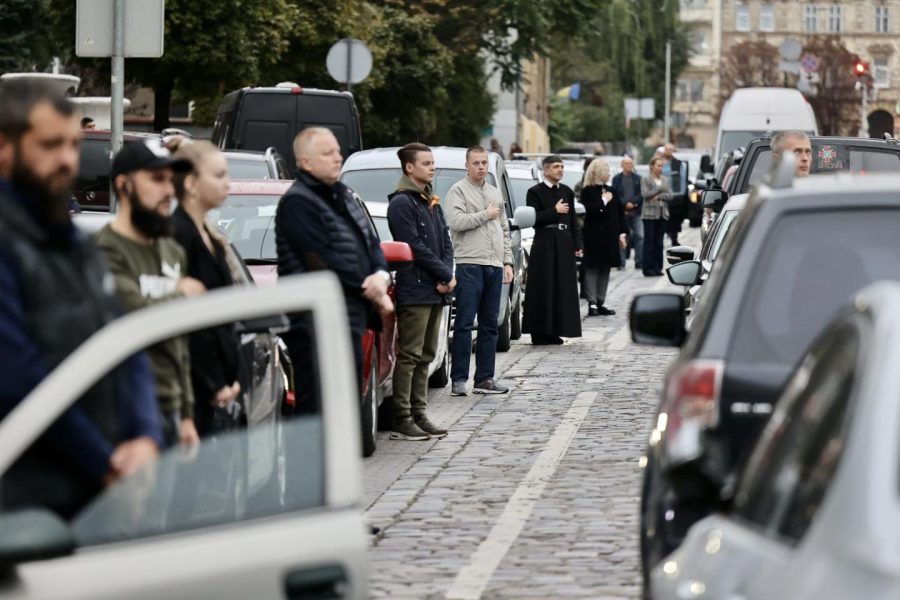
(750, 63)
(837, 101)
(22, 44)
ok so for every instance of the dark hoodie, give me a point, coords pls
(415, 217)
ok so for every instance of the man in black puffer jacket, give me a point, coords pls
(320, 225)
(415, 217)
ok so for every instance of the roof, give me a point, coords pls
(445, 157)
(262, 187)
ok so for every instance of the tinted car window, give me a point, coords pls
(811, 264)
(242, 168)
(247, 220)
(374, 185)
(520, 189)
(796, 459)
(93, 173)
(737, 139)
(829, 158)
(381, 226)
(722, 232)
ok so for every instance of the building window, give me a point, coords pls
(690, 4)
(809, 18)
(882, 19)
(689, 90)
(881, 72)
(767, 17)
(697, 90)
(742, 18)
(698, 41)
(834, 18)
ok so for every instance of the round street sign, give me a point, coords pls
(809, 63)
(349, 61)
(791, 49)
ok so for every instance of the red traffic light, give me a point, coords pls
(861, 68)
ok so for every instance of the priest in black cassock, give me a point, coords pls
(552, 307)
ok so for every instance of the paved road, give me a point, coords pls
(533, 494)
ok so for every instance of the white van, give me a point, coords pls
(751, 112)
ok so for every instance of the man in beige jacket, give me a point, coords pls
(481, 247)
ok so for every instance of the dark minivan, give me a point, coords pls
(255, 118)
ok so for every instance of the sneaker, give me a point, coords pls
(429, 427)
(603, 311)
(489, 386)
(592, 310)
(406, 429)
(458, 388)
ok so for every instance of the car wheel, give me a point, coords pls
(369, 409)
(515, 324)
(503, 333)
(440, 377)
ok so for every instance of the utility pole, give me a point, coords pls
(668, 117)
(864, 110)
(117, 89)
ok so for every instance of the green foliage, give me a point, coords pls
(24, 44)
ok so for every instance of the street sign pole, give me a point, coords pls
(349, 79)
(667, 118)
(117, 89)
(864, 110)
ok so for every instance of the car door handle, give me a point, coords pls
(319, 583)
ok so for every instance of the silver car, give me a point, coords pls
(816, 512)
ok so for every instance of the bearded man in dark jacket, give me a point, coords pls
(320, 225)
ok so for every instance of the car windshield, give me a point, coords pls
(374, 185)
(384, 232)
(244, 168)
(810, 265)
(519, 188)
(247, 220)
(722, 231)
(737, 139)
(830, 158)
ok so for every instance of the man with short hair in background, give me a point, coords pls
(628, 184)
(55, 293)
(415, 217)
(796, 143)
(321, 226)
(484, 262)
(148, 265)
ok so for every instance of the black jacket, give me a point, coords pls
(320, 227)
(603, 224)
(425, 230)
(638, 200)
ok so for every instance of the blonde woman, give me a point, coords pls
(215, 352)
(605, 234)
(657, 195)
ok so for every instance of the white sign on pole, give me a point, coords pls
(640, 108)
(648, 108)
(349, 61)
(144, 27)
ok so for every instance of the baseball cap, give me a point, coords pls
(148, 154)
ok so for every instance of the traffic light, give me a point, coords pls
(861, 68)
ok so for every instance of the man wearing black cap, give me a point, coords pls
(54, 296)
(148, 263)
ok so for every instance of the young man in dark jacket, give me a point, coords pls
(415, 217)
(628, 185)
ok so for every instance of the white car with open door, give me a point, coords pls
(193, 524)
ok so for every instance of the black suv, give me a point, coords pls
(798, 252)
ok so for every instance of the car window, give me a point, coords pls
(248, 221)
(243, 168)
(810, 264)
(830, 158)
(519, 190)
(93, 174)
(384, 232)
(722, 232)
(737, 139)
(797, 456)
(374, 185)
(253, 460)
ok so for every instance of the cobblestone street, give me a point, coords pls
(533, 494)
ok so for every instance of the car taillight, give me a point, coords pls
(692, 405)
(296, 90)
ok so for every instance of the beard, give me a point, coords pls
(52, 204)
(148, 221)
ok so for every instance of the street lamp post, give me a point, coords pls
(667, 119)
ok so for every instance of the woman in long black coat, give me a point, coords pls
(605, 232)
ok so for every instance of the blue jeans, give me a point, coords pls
(477, 293)
(654, 234)
(635, 240)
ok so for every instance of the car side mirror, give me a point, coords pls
(685, 273)
(715, 199)
(268, 324)
(397, 254)
(33, 534)
(523, 218)
(657, 319)
(678, 254)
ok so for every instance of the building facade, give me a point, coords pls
(867, 28)
(521, 115)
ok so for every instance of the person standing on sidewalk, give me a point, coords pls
(628, 185)
(415, 217)
(657, 195)
(480, 229)
(150, 267)
(552, 307)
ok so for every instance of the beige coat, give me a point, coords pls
(478, 240)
